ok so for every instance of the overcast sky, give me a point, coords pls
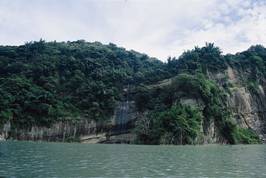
(159, 28)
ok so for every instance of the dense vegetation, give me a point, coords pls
(45, 82)
(176, 125)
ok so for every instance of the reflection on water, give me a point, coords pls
(29, 159)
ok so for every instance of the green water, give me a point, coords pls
(29, 159)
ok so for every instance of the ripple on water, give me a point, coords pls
(27, 159)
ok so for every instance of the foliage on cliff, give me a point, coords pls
(176, 125)
(43, 82)
(193, 80)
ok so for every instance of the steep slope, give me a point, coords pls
(74, 90)
(224, 96)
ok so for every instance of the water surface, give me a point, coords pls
(32, 159)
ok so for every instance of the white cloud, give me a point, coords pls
(158, 28)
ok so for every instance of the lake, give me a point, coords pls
(41, 159)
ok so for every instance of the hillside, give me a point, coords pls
(71, 90)
(43, 82)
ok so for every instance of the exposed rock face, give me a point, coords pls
(193, 102)
(61, 131)
(4, 131)
(113, 131)
(124, 113)
(210, 135)
(248, 107)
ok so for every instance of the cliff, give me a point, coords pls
(247, 106)
(94, 93)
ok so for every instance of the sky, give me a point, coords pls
(159, 28)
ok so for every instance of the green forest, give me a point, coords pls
(42, 83)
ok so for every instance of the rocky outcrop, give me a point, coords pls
(60, 131)
(248, 107)
(114, 130)
(4, 131)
